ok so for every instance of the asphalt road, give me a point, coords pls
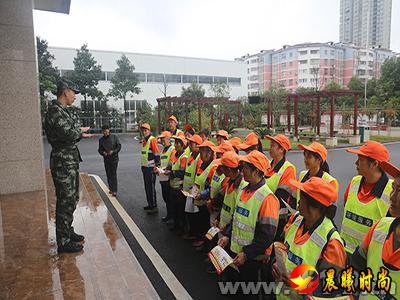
(187, 264)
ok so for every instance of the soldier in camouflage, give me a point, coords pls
(63, 131)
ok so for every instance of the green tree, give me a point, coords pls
(48, 75)
(124, 82)
(355, 84)
(194, 90)
(390, 78)
(146, 114)
(86, 75)
(333, 86)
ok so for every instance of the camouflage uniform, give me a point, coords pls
(63, 132)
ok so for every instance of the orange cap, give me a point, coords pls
(172, 117)
(257, 159)
(181, 138)
(225, 147)
(250, 140)
(235, 141)
(165, 134)
(373, 150)
(187, 127)
(223, 133)
(390, 168)
(318, 189)
(229, 159)
(316, 148)
(196, 139)
(280, 139)
(180, 133)
(145, 125)
(209, 145)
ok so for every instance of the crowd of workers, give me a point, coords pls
(259, 206)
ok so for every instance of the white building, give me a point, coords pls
(159, 72)
(365, 22)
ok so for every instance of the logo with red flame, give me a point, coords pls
(304, 279)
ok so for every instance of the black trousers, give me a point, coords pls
(149, 178)
(166, 190)
(201, 221)
(111, 172)
(178, 208)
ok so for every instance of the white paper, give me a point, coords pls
(189, 206)
(212, 232)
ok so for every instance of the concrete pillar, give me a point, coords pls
(21, 148)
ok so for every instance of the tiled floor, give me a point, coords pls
(30, 267)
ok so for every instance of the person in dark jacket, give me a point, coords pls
(109, 147)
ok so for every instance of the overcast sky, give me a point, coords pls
(222, 29)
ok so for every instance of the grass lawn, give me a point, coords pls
(384, 139)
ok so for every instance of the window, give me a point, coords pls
(290, 63)
(141, 77)
(254, 69)
(205, 79)
(303, 62)
(253, 78)
(314, 61)
(283, 56)
(220, 79)
(253, 61)
(290, 82)
(283, 65)
(130, 104)
(155, 77)
(234, 80)
(103, 76)
(66, 72)
(303, 52)
(314, 51)
(189, 78)
(173, 78)
(110, 75)
(332, 52)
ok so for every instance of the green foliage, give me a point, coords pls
(48, 75)
(124, 82)
(251, 115)
(390, 78)
(194, 90)
(145, 114)
(263, 131)
(333, 86)
(355, 84)
(86, 74)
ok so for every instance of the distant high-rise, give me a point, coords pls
(366, 21)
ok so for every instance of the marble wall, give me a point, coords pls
(21, 149)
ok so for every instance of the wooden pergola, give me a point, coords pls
(314, 97)
(200, 101)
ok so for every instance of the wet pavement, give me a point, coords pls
(31, 268)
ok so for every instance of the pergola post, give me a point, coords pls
(186, 113)
(212, 118)
(356, 114)
(296, 117)
(318, 115)
(288, 113)
(271, 116)
(199, 110)
(239, 114)
(332, 113)
(220, 118)
(158, 117)
(169, 108)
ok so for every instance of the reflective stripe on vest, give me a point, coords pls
(201, 179)
(215, 186)
(309, 252)
(358, 217)
(177, 182)
(190, 172)
(245, 218)
(146, 151)
(176, 134)
(325, 176)
(228, 206)
(165, 156)
(374, 258)
(273, 181)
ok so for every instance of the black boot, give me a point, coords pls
(76, 237)
(70, 248)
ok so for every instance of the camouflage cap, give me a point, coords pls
(64, 84)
